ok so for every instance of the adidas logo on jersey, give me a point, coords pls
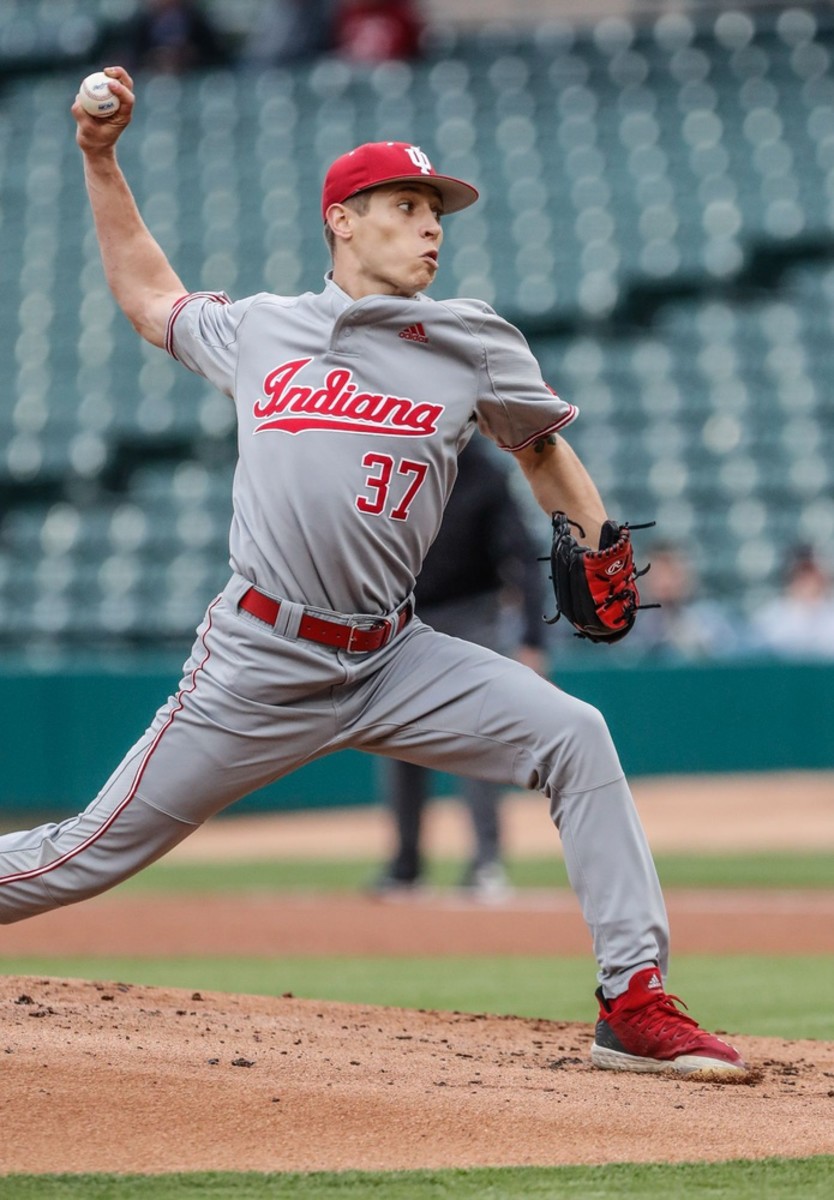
(414, 333)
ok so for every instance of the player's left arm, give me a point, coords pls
(560, 483)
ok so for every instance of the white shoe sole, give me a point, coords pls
(688, 1065)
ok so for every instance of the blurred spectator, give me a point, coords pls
(287, 31)
(374, 31)
(172, 36)
(482, 560)
(800, 621)
(685, 627)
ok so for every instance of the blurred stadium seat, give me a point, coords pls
(657, 216)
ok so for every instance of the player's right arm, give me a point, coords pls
(142, 281)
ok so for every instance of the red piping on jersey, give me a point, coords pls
(93, 838)
(560, 424)
(177, 309)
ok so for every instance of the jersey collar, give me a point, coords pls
(344, 301)
(338, 296)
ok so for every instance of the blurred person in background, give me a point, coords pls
(480, 581)
(168, 36)
(289, 31)
(375, 31)
(799, 622)
(685, 627)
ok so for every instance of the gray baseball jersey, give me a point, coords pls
(351, 416)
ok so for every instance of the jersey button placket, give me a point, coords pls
(342, 335)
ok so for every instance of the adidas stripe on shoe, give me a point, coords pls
(644, 1030)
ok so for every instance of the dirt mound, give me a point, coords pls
(118, 1077)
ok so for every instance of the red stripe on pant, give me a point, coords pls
(94, 837)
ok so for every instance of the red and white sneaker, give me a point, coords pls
(643, 1030)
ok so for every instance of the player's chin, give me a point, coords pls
(425, 274)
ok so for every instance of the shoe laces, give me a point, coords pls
(662, 1016)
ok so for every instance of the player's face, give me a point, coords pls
(395, 244)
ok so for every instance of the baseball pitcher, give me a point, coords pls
(353, 404)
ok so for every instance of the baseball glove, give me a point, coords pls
(596, 590)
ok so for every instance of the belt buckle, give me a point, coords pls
(368, 625)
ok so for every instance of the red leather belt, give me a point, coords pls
(357, 635)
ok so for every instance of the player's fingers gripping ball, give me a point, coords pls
(95, 96)
(596, 590)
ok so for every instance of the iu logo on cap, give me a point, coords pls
(420, 159)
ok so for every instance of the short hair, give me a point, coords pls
(360, 203)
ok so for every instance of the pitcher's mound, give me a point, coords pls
(125, 1078)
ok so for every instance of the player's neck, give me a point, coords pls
(358, 285)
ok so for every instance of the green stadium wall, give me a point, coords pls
(64, 733)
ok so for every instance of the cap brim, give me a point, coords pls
(455, 193)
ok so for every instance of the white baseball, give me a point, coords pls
(95, 96)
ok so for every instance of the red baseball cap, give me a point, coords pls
(375, 163)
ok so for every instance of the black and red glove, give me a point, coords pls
(596, 590)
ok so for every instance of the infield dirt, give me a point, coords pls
(101, 1076)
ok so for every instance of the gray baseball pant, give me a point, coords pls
(255, 704)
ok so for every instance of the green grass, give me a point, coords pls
(773, 997)
(807, 870)
(768, 1179)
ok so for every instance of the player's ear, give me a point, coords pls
(340, 219)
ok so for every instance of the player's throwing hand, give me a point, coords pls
(94, 134)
